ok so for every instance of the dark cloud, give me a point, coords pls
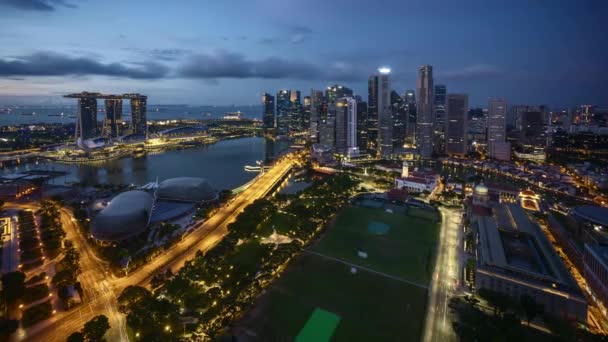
(473, 72)
(53, 64)
(37, 5)
(225, 64)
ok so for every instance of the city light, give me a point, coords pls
(384, 70)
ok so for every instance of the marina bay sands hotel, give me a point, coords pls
(86, 117)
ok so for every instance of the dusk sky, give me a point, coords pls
(227, 52)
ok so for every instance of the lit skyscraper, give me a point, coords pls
(439, 103)
(113, 117)
(410, 102)
(424, 125)
(456, 133)
(268, 115)
(316, 115)
(295, 111)
(497, 123)
(399, 108)
(361, 124)
(337, 91)
(306, 113)
(283, 108)
(380, 122)
(86, 119)
(346, 125)
(139, 120)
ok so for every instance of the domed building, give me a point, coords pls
(481, 195)
(186, 189)
(127, 215)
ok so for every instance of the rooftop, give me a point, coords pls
(595, 214)
(510, 242)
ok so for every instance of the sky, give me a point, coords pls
(224, 52)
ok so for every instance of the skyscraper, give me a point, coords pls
(295, 111)
(305, 113)
(439, 103)
(346, 126)
(455, 133)
(497, 129)
(399, 108)
(380, 121)
(86, 119)
(113, 117)
(139, 120)
(410, 103)
(283, 108)
(361, 124)
(268, 114)
(316, 115)
(332, 93)
(424, 127)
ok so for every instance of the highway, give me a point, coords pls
(102, 289)
(446, 277)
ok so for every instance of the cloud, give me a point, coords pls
(474, 72)
(299, 33)
(225, 64)
(37, 5)
(169, 54)
(54, 64)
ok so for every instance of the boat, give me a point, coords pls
(56, 114)
(30, 114)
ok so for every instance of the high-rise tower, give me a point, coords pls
(268, 114)
(456, 133)
(380, 121)
(424, 127)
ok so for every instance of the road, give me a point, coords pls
(446, 276)
(103, 289)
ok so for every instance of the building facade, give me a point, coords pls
(268, 116)
(456, 119)
(498, 148)
(346, 126)
(439, 115)
(113, 117)
(380, 122)
(424, 112)
(139, 117)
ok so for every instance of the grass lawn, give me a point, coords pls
(371, 307)
(406, 251)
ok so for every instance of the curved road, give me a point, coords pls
(102, 289)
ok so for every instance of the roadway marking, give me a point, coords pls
(366, 269)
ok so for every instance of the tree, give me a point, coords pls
(7, 327)
(76, 337)
(530, 306)
(94, 329)
(13, 285)
(131, 296)
(498, 301)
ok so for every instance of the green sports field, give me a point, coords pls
(370, 307)
(405, 251)
(365, 306)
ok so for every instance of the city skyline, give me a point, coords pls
(178, 63)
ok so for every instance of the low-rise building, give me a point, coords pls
(514, 257)
(416, 181)
(596, 272)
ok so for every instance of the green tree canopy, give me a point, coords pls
(94, 329)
